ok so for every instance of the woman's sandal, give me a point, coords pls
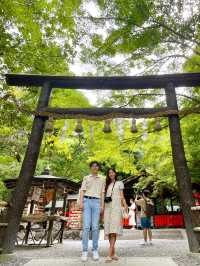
(115, 257)
(108, 259)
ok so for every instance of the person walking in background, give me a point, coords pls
(92, 203)
(147, 208)
(114, 201)
(132, 216)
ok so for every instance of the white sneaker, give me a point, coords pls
(95, 255)
(84, 256)
(143, 243)
(150, 243)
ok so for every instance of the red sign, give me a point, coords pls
(75, 215)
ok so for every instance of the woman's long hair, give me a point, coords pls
(108, 180)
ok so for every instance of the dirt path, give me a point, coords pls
(175, 248)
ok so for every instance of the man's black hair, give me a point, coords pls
(94, 162)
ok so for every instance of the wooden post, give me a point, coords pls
(28, 227)
(19, 197)
(63, 222)
(53, 210)
(171, 204)
(181, 169)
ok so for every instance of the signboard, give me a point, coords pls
(36, 193)
(75, 215)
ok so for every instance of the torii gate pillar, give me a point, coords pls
(19, 197)
(181, 169)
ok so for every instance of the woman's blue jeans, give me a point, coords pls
(91, 215)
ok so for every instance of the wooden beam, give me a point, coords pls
(104, 113)
(51, 222)
(113, 83)
(19, 197)
(65, 194)
(28, 226)
(181, 169)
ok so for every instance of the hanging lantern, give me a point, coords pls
(49, 125)
(120, 128)
(157, 124)
(64, 129)
(133, 126)
(107, 127)
(145, 126)
(79, 128)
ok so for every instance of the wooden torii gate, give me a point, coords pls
(42, 113)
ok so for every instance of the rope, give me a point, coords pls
(60, 115)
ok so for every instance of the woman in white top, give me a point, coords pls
(132, 209)
(114, 200)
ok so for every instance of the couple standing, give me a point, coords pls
(98, 197)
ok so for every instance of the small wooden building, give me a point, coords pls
(166, 215)
(42, 190)
(45, 188)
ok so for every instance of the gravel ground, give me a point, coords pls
(177, 249)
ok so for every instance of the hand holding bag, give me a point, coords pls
(124, 213)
